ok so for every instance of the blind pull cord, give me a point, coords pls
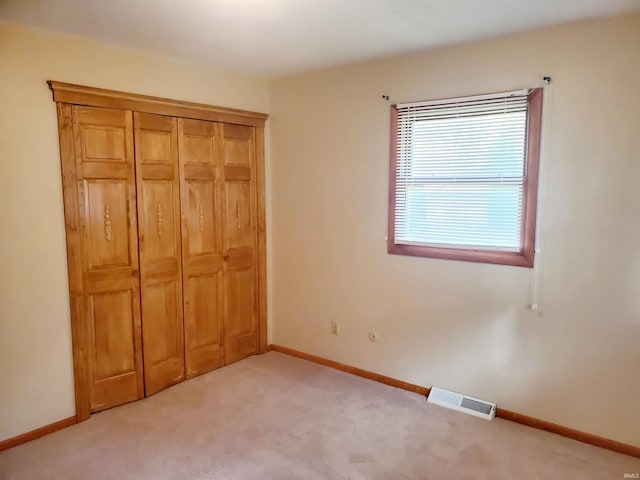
(536, 297)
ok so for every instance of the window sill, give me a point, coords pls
(518, 259)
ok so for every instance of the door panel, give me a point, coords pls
(239, 242)
(240, 302)
(161, 241)
(107, 213)
(238, 145)
(203, 305)
(237, 227)
(103, 145)
(113, 336)
(161, 274)
(156, 146)
(201, 217)
(203, 335)
(160, 304)
(198, 145)
(201, 244)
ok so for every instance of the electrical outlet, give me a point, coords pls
(335, 328)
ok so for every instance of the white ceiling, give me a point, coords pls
(280, 37)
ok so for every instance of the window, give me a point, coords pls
(464, 178)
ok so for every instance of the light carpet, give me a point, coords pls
(279, 417)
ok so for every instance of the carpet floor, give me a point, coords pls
(279, 417)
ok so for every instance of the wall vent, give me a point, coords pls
(462, 403)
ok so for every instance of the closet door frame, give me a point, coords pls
(66, 95)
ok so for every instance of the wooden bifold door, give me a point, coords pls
(164, 215)
(160, 248)
(202, 239)
(103, 146)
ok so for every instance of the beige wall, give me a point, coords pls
(36, 377)
(459, 325)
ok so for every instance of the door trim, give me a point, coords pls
(80, 334)
(100, 97)
(262, 240)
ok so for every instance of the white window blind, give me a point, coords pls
(460, 170)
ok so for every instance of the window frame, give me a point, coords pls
(522, 258)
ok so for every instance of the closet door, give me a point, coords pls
(156, 146)
(201, 245)
(103, 150)
(239, 241)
